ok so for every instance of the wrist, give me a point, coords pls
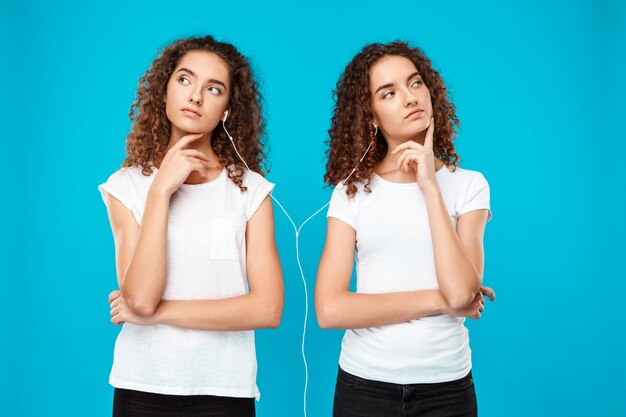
(159, 192)
(157, 317)
(441, 305)
(431, 190)
(430, 303)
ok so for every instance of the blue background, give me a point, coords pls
(539, 91)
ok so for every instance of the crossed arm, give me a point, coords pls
(141, 271)
(337, 307)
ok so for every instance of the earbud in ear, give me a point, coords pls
(225, 116)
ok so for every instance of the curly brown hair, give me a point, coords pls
(147, 142)
(351, 130)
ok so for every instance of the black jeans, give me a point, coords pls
(360, 397)
(129, 403)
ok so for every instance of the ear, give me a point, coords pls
(225, 116)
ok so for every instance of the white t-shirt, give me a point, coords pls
(206, 259)
(394, 253)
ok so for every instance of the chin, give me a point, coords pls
(190, 128)
(416, 131)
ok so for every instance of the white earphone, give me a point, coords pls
(297, 230)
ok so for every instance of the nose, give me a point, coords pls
(195, 97)
(410, 99)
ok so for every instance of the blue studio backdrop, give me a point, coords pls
(538, 86)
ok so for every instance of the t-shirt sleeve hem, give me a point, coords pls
(477, 207)
(105, 189)
(343, 219)
(260, 197)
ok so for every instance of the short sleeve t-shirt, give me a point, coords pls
(394, 253)
(206, 259)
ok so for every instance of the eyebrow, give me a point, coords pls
(392, 84)
(211, 80)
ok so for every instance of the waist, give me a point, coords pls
(389, 386)
(419, 351)
(183, 360)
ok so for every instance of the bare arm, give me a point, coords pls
(144, 280)
(458, 254)
(260, 308)
(337, 307)
(141, 251)
(125, 230)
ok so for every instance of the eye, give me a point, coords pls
(389, 95)
(214, 90)
(416, 83)
(184, 80)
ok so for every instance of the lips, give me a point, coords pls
(417, 112)
(191, 112)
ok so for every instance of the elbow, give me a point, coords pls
(464, 293)
(139, 300)
(460, 301)
(142, 306)
(326, 312)
(274, 318)
(271, 316)
(325, 325)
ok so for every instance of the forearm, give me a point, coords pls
(350, 310)
(145, 277)
(459, 279)
(245, 312)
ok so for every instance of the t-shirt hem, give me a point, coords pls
(168, 390)
(392, 378)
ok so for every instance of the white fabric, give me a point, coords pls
(206, 259)
(395, 253)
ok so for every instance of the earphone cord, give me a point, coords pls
(297, 233)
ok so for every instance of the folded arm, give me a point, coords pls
(337, 307)
(458, 253)
(140, 252)
(260, 308)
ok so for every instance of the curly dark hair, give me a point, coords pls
(351, 129)
(147, 142)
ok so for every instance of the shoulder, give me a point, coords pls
(464, 173)
(130, 174)
(340, 193)
(465, 178)
(126, 182)
(137, 179)
(257, 189)
(253, 176)
(254, 180)
(371, 182)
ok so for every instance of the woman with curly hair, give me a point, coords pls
(196, 258)
(417, 222)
